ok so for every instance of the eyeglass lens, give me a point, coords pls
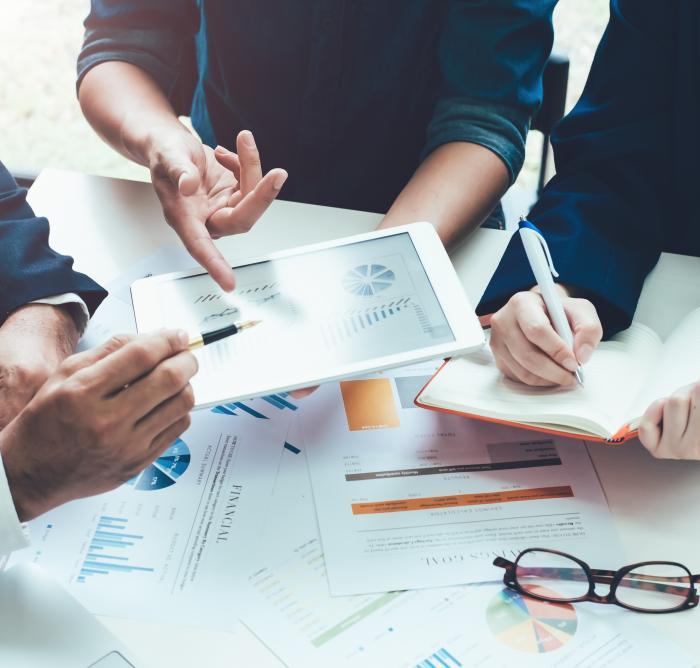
(654, 587)
(551, 575)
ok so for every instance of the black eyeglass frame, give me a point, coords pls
(595, 575)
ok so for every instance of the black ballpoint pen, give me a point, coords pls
(205, 338)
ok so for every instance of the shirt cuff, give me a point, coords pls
(13, 534)
(493, 127)
(80, 312)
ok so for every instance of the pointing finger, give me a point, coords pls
(200, 246)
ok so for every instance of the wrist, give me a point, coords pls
(55, 324)
(28, 500)
(142, 136)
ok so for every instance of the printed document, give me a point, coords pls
(408, 498)
(288, 607)
(166, 544)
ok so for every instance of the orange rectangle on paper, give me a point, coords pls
(433, 502)
(369, 404)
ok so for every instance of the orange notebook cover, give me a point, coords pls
(623, 435)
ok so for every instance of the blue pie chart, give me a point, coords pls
(165, 471)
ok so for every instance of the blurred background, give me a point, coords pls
(41, 124)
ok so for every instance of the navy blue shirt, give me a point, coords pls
(626, 184)
(347, 95)
(29, 269)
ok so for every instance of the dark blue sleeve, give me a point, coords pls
(155, 35)
(492, 55)
(605, 213)
(29, 269)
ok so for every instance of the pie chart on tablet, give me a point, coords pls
(165, 471)
(368, 279)
(528, 625)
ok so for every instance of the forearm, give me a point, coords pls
(124, 105)
(455, 188)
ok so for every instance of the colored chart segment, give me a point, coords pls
(462, 500)
(109, 550)
(258, 408)
(528, 625)
(165, 471)
(368, 279)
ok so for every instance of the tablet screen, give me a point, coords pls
(319, 310)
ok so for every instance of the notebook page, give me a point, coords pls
(613, 377)
(671, 291)
(678, 364)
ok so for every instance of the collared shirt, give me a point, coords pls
(348, 95)
(31, 272)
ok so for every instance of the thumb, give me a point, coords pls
(181, 170)
(585, 326)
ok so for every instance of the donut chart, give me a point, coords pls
(165, 471)
(528, 625)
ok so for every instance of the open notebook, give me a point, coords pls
(658, 354)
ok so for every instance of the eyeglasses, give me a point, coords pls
(649, 586)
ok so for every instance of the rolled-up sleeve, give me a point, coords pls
(492, 55)
(154, 35)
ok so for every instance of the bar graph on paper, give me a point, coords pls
(440, 659)
(110, 550)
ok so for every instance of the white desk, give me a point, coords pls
(108, 225)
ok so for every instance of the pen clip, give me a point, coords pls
(527, 225)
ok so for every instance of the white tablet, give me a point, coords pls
(328, 311)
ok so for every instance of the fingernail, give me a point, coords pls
(223, 149)
(279, 181)
(585, 353)
(183, 337)
(570, 365)
(248, 139)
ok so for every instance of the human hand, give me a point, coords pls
(528, 349)
(99, 420)
(34, 340)
(670, 427)
(207, 194)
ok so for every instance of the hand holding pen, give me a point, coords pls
(538, 345)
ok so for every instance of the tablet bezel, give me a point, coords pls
(459, 313)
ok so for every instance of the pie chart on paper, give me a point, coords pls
(528, 625)
(165, 471)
